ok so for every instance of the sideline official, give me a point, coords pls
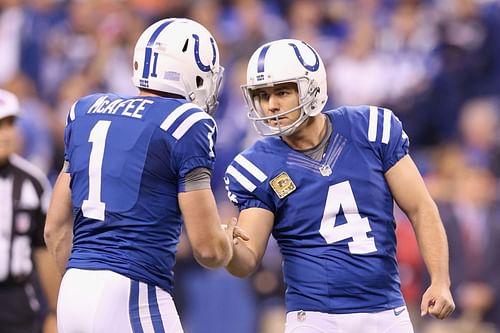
(24, 196)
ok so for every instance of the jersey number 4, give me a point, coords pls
(356, 227)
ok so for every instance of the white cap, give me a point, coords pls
(9, 104)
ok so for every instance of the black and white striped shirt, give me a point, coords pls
(24, 198)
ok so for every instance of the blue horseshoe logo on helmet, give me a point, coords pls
(203, 67)
(312, 68)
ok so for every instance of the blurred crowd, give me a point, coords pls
(435, 63)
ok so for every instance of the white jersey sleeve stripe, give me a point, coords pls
(72, 114)
(188, 123)
(244, 181)
(165, 125)
(250, 167)
(386, 132)
(404, 135)
(372, 125)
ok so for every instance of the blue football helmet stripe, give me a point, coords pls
(262, 58)
(151, 41)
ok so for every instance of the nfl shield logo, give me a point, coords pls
(325, 170)
(301, 315)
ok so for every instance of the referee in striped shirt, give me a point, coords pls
(24, 195)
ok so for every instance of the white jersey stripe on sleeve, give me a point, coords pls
(386, 132)
(250, 167)
(372, 125)
(72, 114)
(188, 123)
(244, 181)
(165, 125)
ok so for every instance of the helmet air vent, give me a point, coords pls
(199, 81)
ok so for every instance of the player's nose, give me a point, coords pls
(273, 103)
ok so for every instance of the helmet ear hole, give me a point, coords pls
(184, 48)
(199, 81)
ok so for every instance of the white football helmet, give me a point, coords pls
(281, 61)
(179, 56)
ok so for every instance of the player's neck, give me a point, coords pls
(309, 134)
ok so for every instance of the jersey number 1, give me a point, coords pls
(93, 207)
(356, 227)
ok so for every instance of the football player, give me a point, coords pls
(323, 184)
(136, 167)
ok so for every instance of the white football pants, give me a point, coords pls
(103, 301)
(391, 321)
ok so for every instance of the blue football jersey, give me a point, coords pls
(333, 218)
(128, 157)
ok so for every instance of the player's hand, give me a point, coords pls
(437, 301)
(235, 232)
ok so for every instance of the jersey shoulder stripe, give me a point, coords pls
(72, 114)
(241, 179)
(189, 122)
(386, 131)
(250, 167)
(174, 115)
(372, 124)
(374, 127)
(242, 164)
(196, 115)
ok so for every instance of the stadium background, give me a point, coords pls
(436, 64)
